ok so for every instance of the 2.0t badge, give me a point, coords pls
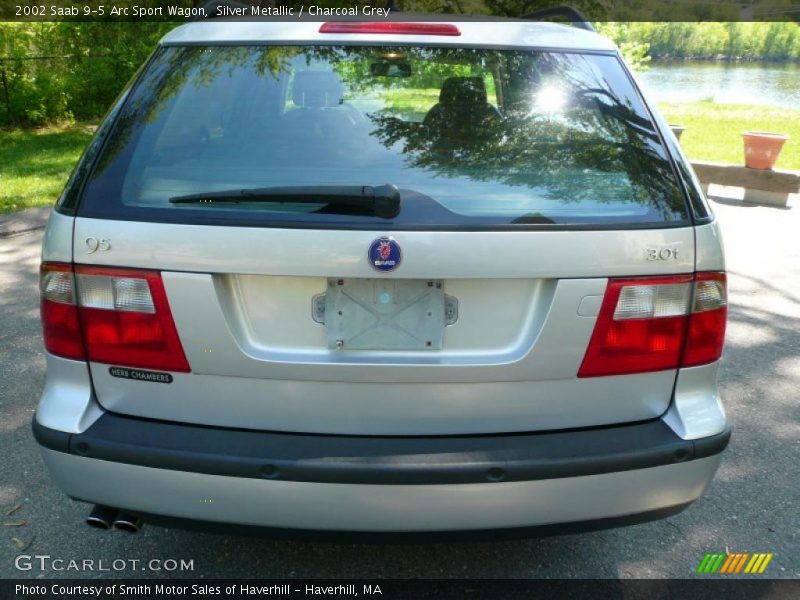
(384, 254)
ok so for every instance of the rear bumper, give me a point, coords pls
(397, 484)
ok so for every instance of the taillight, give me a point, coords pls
(706, 333)
(60, 326)
(390, 28)
(120, 317)
(657, 323)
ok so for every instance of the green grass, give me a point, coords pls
(713, 131)
(411, 101)
(35, 163)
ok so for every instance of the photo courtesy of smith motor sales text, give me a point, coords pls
(166, 590)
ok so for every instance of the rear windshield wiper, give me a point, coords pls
(384, 200)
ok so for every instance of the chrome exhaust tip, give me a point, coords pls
(101, 517)
(127, 522)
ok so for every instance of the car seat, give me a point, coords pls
(462, 114)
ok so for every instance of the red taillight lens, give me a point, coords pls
(123, 315)
(60, 325)
(126, 319)
(657, 323)
(390, 28)
(706, 334)
(640, 327)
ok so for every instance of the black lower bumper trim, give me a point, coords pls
(381, 460)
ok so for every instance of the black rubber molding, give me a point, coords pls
(380, 460)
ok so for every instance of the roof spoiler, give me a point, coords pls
(570, 13)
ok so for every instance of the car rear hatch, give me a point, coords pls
(527, 180)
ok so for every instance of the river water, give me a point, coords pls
(768, 84)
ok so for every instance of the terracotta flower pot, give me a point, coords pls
(761, 150)
(677, 130)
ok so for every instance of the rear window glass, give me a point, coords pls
(472, 138)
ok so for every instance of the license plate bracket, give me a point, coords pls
(384, 314)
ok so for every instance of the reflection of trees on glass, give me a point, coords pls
(563, 129)
(560, 126)
(198, 66)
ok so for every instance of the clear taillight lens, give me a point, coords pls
(652, 301)
(709, 294)
(115, 293)
(57, 286)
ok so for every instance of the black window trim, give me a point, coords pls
(69, 202)
(691, 208)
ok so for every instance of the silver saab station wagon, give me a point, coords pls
(383, 277)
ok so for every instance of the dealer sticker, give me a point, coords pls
(140, 375)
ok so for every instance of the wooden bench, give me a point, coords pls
(760, 187)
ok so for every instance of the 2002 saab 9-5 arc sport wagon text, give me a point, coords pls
(396, 276)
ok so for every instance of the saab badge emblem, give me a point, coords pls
(384, 254)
